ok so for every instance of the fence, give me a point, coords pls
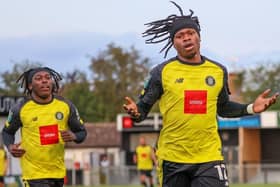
(125, 175)
(248, 173)
(254, 173)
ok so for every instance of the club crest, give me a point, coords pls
(59, 115)
(210, 81)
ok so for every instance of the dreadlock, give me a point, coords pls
(26, 78)
(165, 29)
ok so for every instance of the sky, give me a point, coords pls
(64, 34)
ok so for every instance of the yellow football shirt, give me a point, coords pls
(188, 106)
(2, 161)
(144, 157)
(40, 126)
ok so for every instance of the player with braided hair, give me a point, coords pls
(47, 121)
(192, 90)
(26, 78)
(165, 29)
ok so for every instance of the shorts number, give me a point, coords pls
(221, 171)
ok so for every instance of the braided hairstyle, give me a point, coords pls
(26, 78)
(165, 29)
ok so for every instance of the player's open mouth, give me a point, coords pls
(45, 88)
(189, 46)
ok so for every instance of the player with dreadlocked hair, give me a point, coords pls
(26, 79)
(192, 90)
(165, 29)
(47, 121)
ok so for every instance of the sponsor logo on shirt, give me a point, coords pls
(49, 134)
(195, 102)
(10, 116)
(144, 155)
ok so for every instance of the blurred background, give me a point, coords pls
(98, 48)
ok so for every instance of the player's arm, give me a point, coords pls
(153, 156)
(135, 158)
(77, 132)
(150, 94)
(227, 108)
(12, 124)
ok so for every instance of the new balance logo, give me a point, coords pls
(179, 80)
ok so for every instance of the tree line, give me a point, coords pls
(117, 72)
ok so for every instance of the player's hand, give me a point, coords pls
(67, 135)
(131, 107)
(16, 150)
(263, 102)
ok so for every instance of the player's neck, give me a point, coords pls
(191, 59)
(42, 100)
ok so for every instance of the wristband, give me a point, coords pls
(250, 109)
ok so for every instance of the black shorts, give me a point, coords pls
(44, 183)
(1, 179)
(210, 174)
(148, 173)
